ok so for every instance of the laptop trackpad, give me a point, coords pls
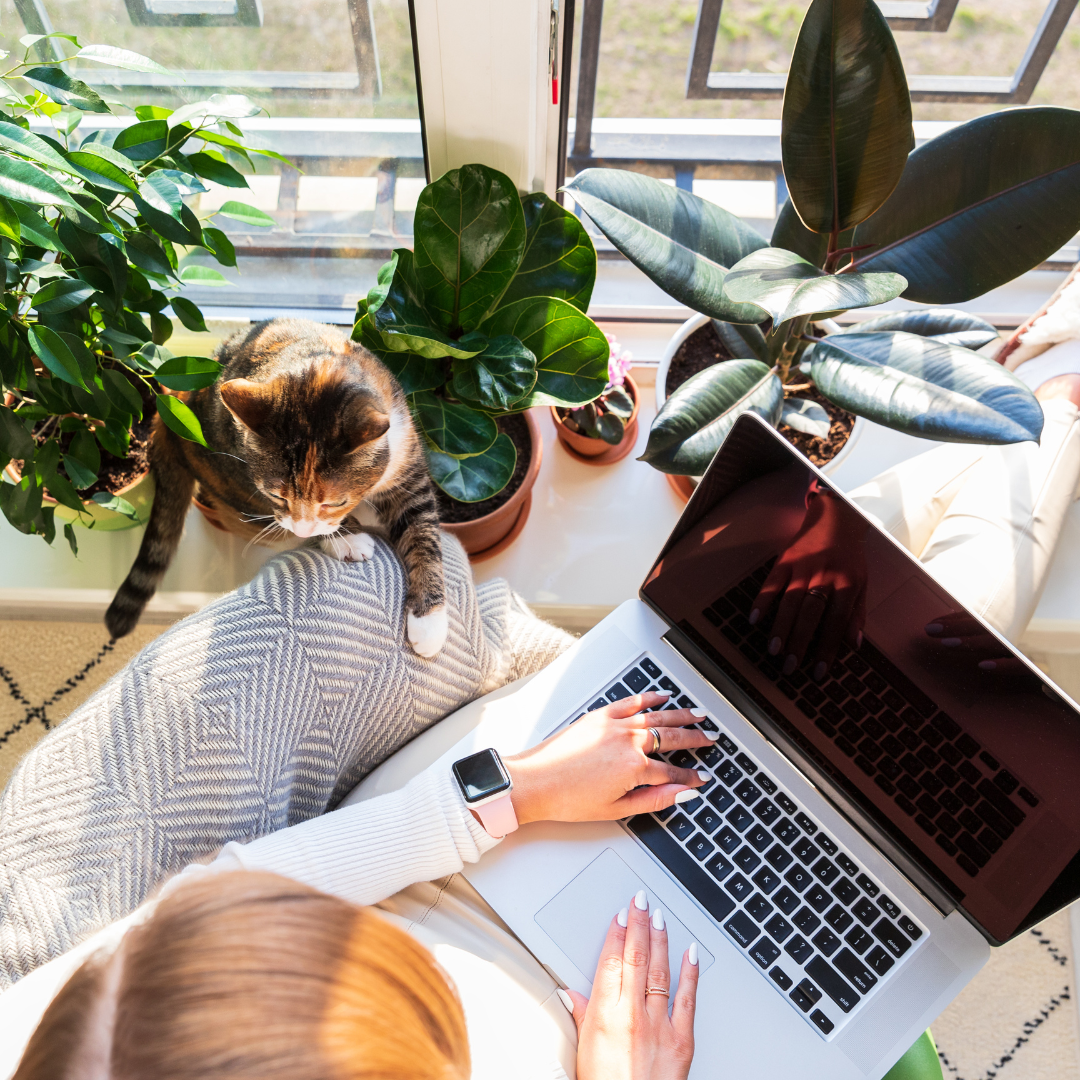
(577, 918)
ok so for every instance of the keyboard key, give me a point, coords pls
(683, 759)
(879, 960)
(825, 871)
(805, 851)
(818, 898)
(891, 909)
(822, 1021)
(746, 860)
(686, 703)
(728, 839)
(785, 831)
(699, 847)
(859, 940)
(1001, 803)
(805, 823)
(617, 692)
(966, 864)
(742, 928)
(681, 826)
(721, 798)
(846, 891)
(809, 991)
(766, 784)
(786, 804)
(832, 983)
(651, 668)
(664, 814)
(739, 887)
(636, 679)
(746, 764)
(767, 810)
(730, 773)
(990, 840)
(838, 918)
(786, 900)
(798, 878)
(708, 820)
(758, 838)
(710, 756)
(740, 818)
(759, 907)
(891, 938)
(719, 867)
(781, 978)
(826, 941)
(973, 849)
(778, 858)
(1028, 797)
(799, 949)
(827, 845)
(806, 920)
(764, 952)
(801, 999)
(909, 928)
(846, 865)
(865, 911)
(667, 684)
(766, 880)
(728, 746)
(778, 928)
(749, 792)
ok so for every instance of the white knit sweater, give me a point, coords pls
(386, 851)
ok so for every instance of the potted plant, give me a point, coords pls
(93, 234)
(603, 431)
(866, 221)
(484, 321)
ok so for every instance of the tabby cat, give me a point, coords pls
(304, 425)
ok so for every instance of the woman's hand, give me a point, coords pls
(624, 1034)
(597, 769)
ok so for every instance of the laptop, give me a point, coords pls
(863, 839)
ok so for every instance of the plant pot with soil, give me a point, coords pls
(481, 325)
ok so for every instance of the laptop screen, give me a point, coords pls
(934, 726)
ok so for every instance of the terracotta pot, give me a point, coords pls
(487, 536)
(595, 451)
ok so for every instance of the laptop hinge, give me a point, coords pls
(726, 687)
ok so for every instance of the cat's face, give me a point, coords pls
(317, 443)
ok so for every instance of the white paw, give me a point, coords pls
(349, 547)
(427, 633)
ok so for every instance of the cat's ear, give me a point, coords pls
(250, 402)
(364, 424)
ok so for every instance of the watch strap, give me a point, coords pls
(498, 816)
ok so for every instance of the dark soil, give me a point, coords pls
(703, 348)
(452, 512)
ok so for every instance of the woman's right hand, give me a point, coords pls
(622, 1033)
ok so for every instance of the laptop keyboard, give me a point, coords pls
(814, 923)
(936, 773)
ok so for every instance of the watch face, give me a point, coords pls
(481, 775)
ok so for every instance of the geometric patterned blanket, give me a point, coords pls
(261, 710)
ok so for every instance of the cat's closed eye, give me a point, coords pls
(335, 505)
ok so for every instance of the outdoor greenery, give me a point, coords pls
(868, 220)
(485, 319)
(92, 234)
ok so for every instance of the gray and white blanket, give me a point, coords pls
(260, 711)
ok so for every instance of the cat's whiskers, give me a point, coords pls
(263, 532)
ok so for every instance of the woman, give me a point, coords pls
(265, 963)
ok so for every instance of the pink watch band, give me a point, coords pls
(498, 816)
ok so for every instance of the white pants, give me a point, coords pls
(985, 520)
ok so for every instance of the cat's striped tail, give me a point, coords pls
(172, 498)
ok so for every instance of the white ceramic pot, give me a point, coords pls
(696, 322)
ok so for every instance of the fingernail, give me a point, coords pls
(564, 997)
(661, 693)
(988, 665)
(774, 646)
(819, 670)
(790, 664)
(703, 776)
(951, 642)
(691, 953)
(933, 628)
(623, 916)
(754, 616)
(699, 713)
(641, 902)
(858, 640)
(658, 919)
(685, 796)
(714, 735)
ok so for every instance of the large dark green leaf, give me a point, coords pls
(474, 479)
(570, 349)
(143, 141)
(695, 420)
(680, 241)
(188, 373)
(162, 194)
(189, 314)
(805, 416)
(454, 428)
(497, 378)
(744, 341)
(101, 173)
(146, 253)
(26, 183)
(559, 259)
(36, 230)
(179, 418)
(54, 353)
(64, 90)
(925, 388)
(942, 324)
(214, 167)
(785, 286)
(20, 141)
(846, 129)
(15, 440)
(412, 371)
(980, 205)
(790, 233)
(469, 236)
(62, 295)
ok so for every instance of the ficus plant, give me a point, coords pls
(92, 233)
(483, 319)
(868, 219)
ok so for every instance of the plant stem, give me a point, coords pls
(791, 346)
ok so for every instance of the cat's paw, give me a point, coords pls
(349, 547)
(427, 633)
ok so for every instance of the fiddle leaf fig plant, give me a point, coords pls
(484, 319)
(869, 219)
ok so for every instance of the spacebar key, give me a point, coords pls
(716, 902)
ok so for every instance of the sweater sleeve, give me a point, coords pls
(371, 850)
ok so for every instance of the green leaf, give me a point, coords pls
(62, 294)
(193, 274)
(498, 377)
(412, 371)
(377, 295)
(81, 476)
(21, 502)
(15, 441)
(559, 258)
(846, 129)
(744, 341)
(121, 393)
(187, 183)
(116, 503)
(920, 1062)
(26, 183)
(980, 205)
(786, 286)
(143, 141)
(179, 418)
(681, 242)
(37, 231)
(696, 418)
(101, 173)
(214, 167)
(64, 90)
(20, 141)
(570, 349)
(63, 491)
(469, 237)
(790, 233)
(83, 449)
(115, 437)
(455, 429)
(610, 428)
(103, 152)
(184, 231)
(146, 253)
(239, 211)
(69, 536)
(188, 314)
(924, 388)
(9, 221)
(947, 325)
(618, 402)
(220, 246)
(120, 58)
(88, 365)
(188, 373)
(162, 194)
(806, 416)
(54, 353)
(476, 478)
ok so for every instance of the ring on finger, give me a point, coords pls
(655, 741)
(657, 990)
(819, 591)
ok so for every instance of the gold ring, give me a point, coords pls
(819, 591)
(656, 740)
(657, 990)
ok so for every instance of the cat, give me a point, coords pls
(303, 426)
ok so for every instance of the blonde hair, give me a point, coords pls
(251, 976)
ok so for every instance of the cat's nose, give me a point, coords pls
(304, 528)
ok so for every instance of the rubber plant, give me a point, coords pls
(92, 233)
(483, 319)
(868, 219)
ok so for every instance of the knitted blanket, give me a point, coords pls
(259, 711)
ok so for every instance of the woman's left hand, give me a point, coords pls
(598, 768)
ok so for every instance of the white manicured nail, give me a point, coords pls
(623, 916)
(565, 998)
(658, 919)
(691, 953)
(641, 901)
(699, 713)
(714, 735)
(685, 796)
(703, 776)
(662, 693)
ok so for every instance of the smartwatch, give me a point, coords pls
(486, 786)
